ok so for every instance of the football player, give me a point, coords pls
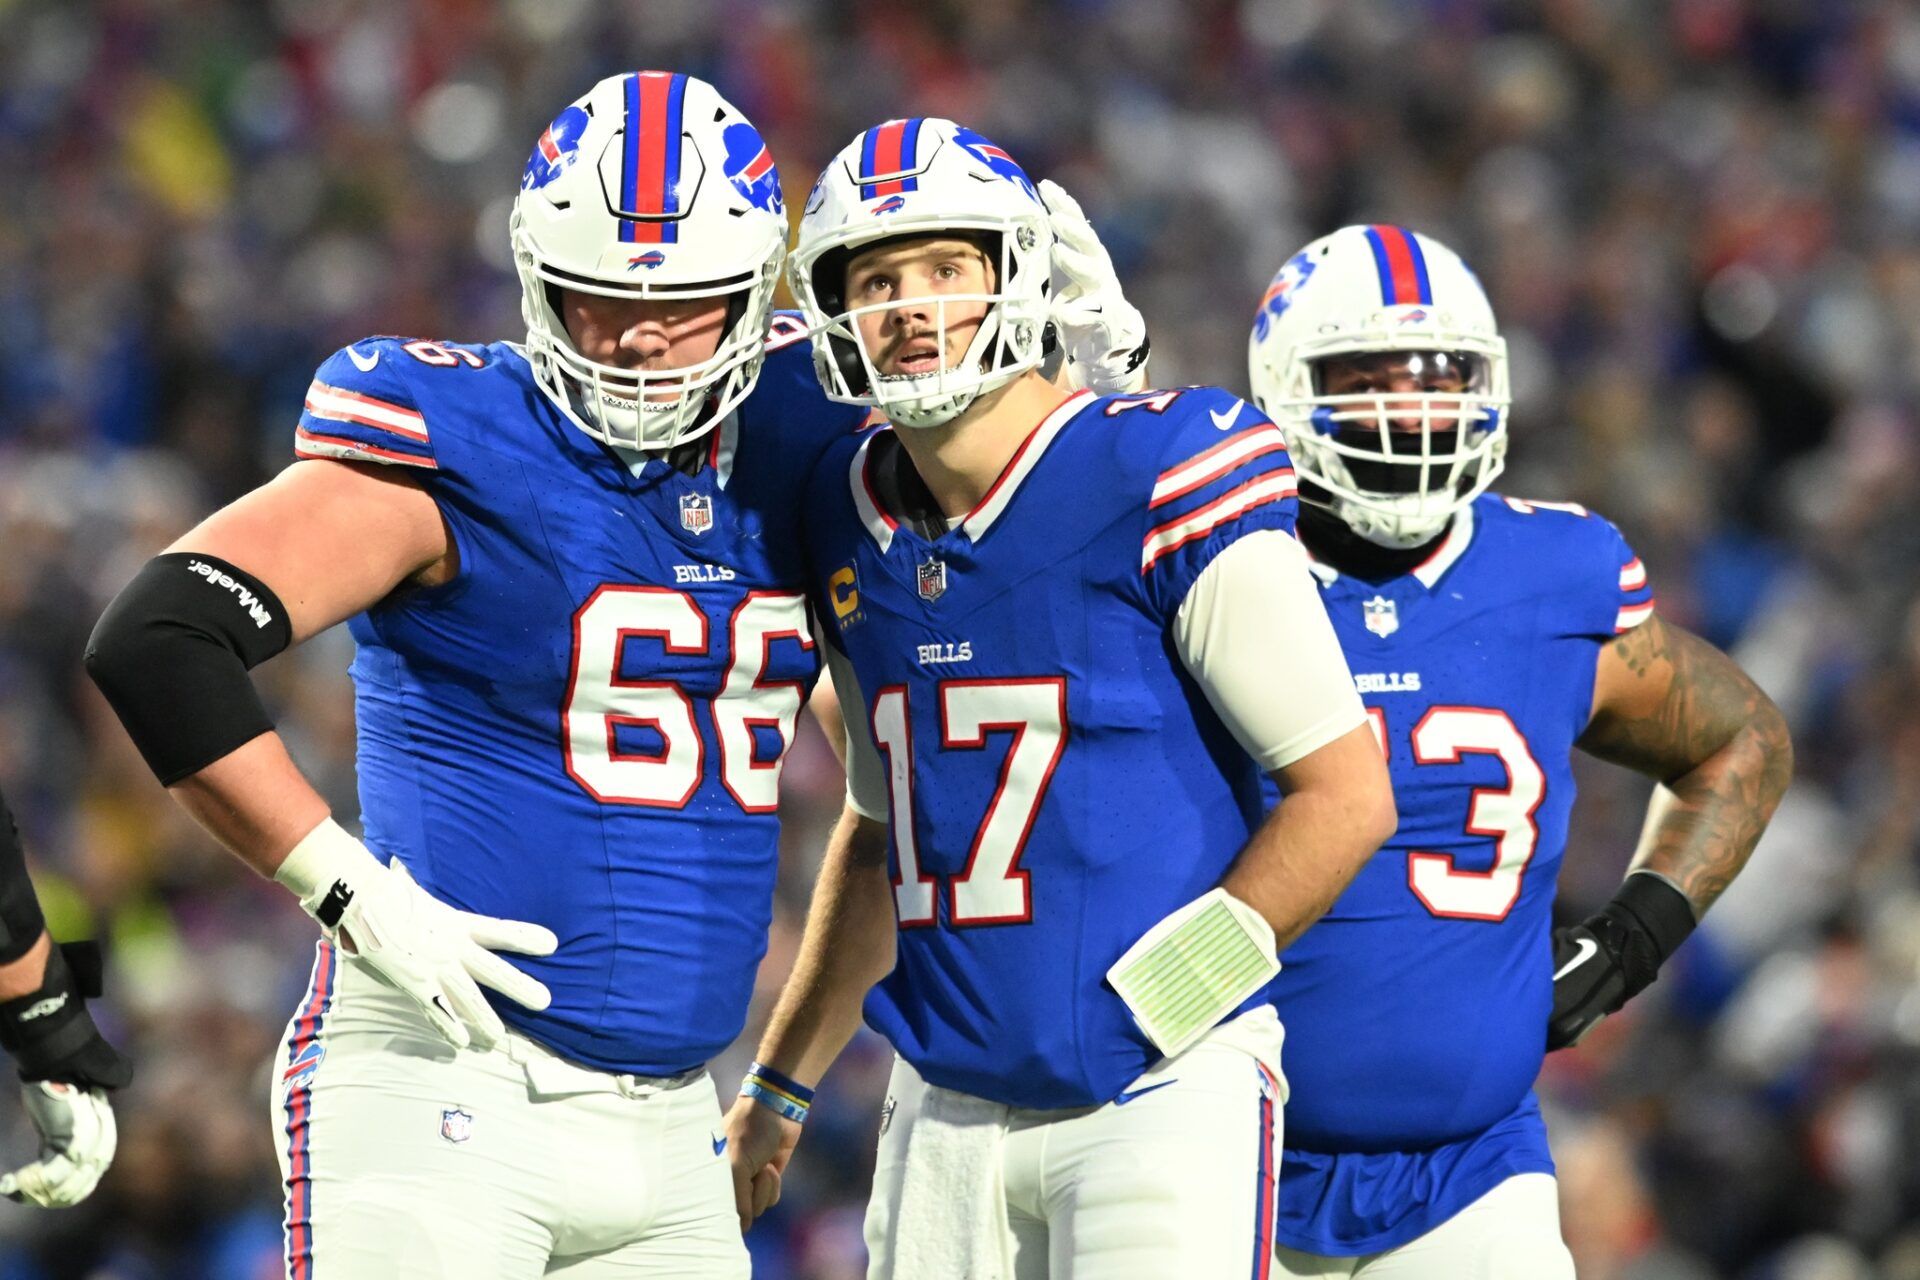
(66, 1065)
(1051, 620)
(572, 571)
(1489, 637)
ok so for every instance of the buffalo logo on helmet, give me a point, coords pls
(750, 169)
(696, 512)
(995, 158)
(556, 150)
(892, 204)
(1279, 295)
(650, 259)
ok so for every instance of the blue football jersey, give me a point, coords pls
(585, 727)
(1416, 1009)
(1058, 783)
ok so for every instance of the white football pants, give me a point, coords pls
(1510, 1233)
(405, 1159)
(1174, 1179)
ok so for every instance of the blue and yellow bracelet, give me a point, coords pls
(780, 1093)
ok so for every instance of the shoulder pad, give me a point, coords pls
(361, 408)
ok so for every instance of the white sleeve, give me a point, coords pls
(1254, 633)
(866, 775)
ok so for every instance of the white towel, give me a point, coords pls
(952, 1222)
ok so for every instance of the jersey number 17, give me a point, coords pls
(992, 888)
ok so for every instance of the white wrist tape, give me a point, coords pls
(324, 855)
(1194, 968)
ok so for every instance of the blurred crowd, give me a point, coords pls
(1699, 221)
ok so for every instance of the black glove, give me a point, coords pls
(50, 1033)
(1613, 955)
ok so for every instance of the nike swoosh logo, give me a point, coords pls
(363, 363)
(1131, 1094)
(1221, 421)
(1584, 952)
(719, 1146)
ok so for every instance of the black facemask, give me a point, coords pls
(1395, 477)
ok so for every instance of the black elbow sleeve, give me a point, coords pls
(21, 923)
(172, 651)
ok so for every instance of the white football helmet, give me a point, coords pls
(916, 178)
(1394, 463)
(650, 186)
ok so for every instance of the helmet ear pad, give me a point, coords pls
(830, 288)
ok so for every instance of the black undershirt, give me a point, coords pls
(1332, 543)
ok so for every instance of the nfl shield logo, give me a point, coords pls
(696, 512)
(933, 579)
(456, 1125)
(1383, 616)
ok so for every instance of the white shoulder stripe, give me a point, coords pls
(1232, 505)
(352, 406)
(1632, 616)
(1216, 462)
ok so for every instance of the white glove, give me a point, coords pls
(419, 944)
(77, 1139)
(1105, 336)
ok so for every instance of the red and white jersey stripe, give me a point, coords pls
(341, 405)
(1177, 533)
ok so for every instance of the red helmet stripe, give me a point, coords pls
(887, 157)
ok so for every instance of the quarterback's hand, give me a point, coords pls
(759, 1144)
(429, 950)
(77, 1139)
(1105, 336)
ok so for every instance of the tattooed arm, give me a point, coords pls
(1671, 706)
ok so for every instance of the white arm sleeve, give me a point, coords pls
(1254, 633)
(866, 775)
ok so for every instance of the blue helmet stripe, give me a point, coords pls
(629, 161)
(867, 144)
(670, 197)
(1420, 267)
(910, 152)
